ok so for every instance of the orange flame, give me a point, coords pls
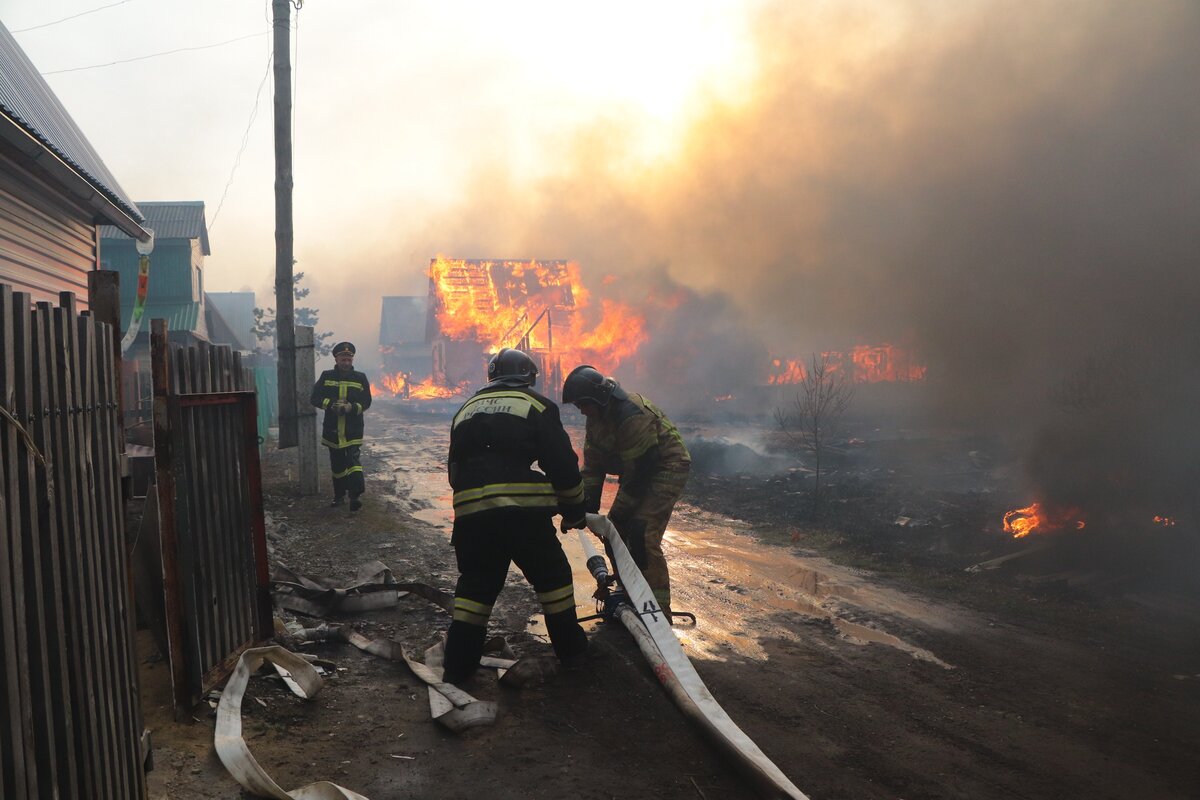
(395, 384)
(789, 371)
(400, 385)
(428, 390)
(539, 305)
(875, 364)
(867, 364)
(1166, 522)
(1021, 522)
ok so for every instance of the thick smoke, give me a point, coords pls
(1011, 188)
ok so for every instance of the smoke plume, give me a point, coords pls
(1010, 189)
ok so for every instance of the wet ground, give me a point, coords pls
(875, 670)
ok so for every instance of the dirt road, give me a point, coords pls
(856, 686)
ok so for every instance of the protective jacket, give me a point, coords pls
(494, 440)
(342, 430)
(636, 441)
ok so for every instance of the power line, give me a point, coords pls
(156, 55)
(245, 139)
(73, 16)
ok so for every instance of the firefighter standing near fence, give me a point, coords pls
(345, 394)
(627, 435)
(504, 510)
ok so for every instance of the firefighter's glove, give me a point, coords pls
(572, 524)
(343, 409)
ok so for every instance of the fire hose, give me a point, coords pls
(652, 631)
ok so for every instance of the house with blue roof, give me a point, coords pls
(175, 290)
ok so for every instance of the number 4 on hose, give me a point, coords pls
(650, 608)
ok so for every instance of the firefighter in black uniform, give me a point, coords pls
(504, 509)
(344, 393)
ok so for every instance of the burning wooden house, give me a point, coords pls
(477, 307)
(885, 363)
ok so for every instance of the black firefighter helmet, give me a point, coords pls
(511, 367)
(586, 383)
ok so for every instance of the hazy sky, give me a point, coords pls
(397, 106)
(1012, 187)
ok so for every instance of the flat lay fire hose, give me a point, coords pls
(374, 587)
(650, 628)
(231, 747)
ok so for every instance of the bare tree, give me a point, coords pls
(816, 413)
(264, 322)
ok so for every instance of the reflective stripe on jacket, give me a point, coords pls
(632, 438)
(495, 438)
(342, 430)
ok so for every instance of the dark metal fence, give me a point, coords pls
(214, 556)
(70, 716)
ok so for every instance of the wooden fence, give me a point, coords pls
(209, 490)
(70, 715)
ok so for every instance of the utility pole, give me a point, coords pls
(285, 332)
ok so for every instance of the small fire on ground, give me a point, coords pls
(1035, 518)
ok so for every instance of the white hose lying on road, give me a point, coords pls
(231, 747)
(674, 670)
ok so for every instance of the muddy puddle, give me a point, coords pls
(742, 592)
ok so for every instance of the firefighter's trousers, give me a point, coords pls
(347, 471)
(484, 545)
(650, 521)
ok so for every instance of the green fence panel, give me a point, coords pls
(266, 385)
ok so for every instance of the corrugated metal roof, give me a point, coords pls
(403, 319)
(172, 219)
(182, 317)
(27, 100)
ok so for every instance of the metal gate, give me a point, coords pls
(209, 486)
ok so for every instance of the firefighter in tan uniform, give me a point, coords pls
(344, 393)
(630, 437)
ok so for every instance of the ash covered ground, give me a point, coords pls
(851, 644)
